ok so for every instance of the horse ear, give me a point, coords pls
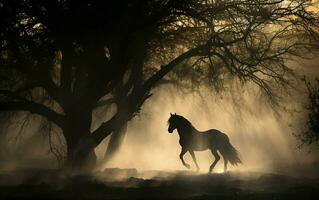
(175, 114)
(171, 114)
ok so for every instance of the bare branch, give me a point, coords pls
(33, 108)
(167, 68)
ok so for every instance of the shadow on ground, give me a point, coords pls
(131, 184)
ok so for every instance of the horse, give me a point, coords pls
(193, 140)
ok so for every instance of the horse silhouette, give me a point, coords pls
(193, 140)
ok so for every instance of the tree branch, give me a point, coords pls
(33, 108)
(149, 83)
(105, 102)
(105, 129)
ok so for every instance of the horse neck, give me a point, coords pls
(186, 130)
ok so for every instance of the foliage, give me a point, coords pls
(310, 133)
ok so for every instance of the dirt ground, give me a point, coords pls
(131, 184)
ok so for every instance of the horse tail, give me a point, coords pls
(230, 153)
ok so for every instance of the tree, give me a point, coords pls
(64, 59)
(309, 134)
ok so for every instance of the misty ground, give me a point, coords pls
(132, 184)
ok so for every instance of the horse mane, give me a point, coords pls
(185, 122)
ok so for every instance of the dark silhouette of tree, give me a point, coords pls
(309, 134)
(65, 59)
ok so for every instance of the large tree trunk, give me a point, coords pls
(81, 142)
(80, 156)
(115, 143)
(80, 146)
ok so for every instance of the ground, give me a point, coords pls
(131, 184)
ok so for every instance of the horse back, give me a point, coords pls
(214, 137)
(200, 141)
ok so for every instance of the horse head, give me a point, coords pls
(172, 121)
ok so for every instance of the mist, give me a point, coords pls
(263, 137)
(263, 134)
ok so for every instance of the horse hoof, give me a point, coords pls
(187, 166)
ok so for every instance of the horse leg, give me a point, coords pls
(225, 161)
(217, 157)
(194, 159)
(225, 164)
(182, 159)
